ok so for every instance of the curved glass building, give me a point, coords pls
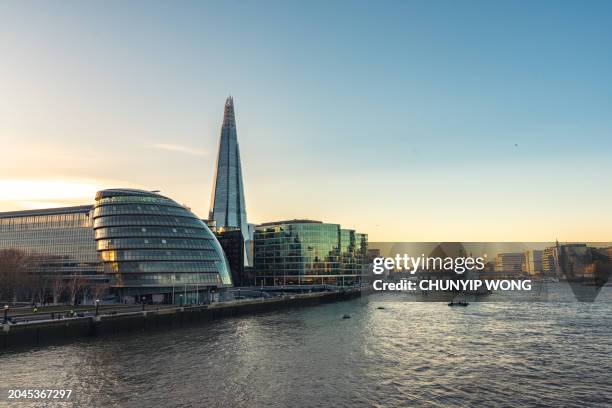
(153, 247)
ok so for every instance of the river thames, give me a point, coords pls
(556, 353)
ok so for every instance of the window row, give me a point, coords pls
(120, 232)
(171, 279)
(167, 267)
(146, 243)
(157, 255)
(140, 209)
(148, 220)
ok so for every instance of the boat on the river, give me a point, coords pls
(458, 303)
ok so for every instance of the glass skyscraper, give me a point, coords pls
(227, 207)
(151, 245)
(308, 252)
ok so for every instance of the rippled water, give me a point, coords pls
(423, 354)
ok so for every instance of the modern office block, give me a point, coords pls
(533, 262)
(510, 263)
(60, 240)
(305, 252)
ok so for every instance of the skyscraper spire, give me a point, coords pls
(227, 207)
(229, 118)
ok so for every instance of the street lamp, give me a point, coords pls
(97, 307)
(6, 308)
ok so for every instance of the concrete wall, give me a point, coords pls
(65, 330)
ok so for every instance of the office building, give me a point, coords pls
(533, 262)
(305, 252)
(232, 242)
(550, 262)
(509, 263)
(59, 243)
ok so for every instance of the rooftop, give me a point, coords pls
(265, 224)
(113, 192)
(47, 211)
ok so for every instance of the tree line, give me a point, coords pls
(22, 280)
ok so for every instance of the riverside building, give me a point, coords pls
(144, 245)
(306, 252)
(152, 246)
(533, 262)
(510, 263)
(550, 262)
(61, 240)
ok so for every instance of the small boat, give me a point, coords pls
(380, 308)
(346, 316)
(459, 303)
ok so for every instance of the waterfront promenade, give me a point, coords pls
(117, 318)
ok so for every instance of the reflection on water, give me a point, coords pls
(492, 354)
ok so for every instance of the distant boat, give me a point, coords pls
(346, 316)
(459, 303)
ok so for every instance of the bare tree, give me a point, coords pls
(44, 286)
(58, 286)
(35, 285)
(75, 285)
(15, 276)
(99, 289)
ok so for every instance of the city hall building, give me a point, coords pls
(143, 244)
(306, 252)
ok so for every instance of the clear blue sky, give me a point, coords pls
(429, 120)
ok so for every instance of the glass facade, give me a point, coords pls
(152, 245)
(308, 252)
(60, 239)
(232, 243)
(227, 207)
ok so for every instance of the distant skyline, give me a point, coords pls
(409, 121)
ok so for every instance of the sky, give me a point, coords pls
(408, 120)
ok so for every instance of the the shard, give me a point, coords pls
(227, 206)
